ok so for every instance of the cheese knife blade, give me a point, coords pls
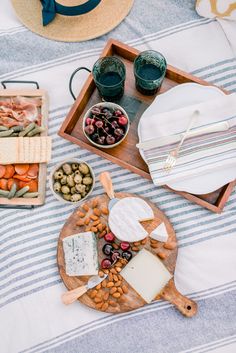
(94, 281)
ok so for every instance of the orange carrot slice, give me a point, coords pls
(2, 170)
(33, 186)
(21, 169)
(10, 171)
(3, 184)
(21, 177)
(33, 170)
(11, 182)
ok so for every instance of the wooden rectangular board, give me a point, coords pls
(127, 154)
(42, 166)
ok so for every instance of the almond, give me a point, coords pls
(118, 269)
(120, 290)
(115, 246)
(135, 248)
(97, 299)
(110, 284)
(95, 223)
(112, 270)
(93, 294)
(125, 289)
(113, 290)
(105, 210)
(110, 277)
(94, 203)
(154, 246)
(87, 229)
(101, 273)
(97, 212)
(99, 305)
(85, 207)
(119, 264)
(116, 295)
(104, 283)
(94, 229)
(143, 242)
(81, 214)
(86, 221)
(117, 284)
(93, 217)
(106, 271)
(104, 307)
(170, 246)
(136, 243)
(98, 286)
(100, 227)
(106, 296)
(101, 235)
(112, 303)
(162, 255)
(115, 278)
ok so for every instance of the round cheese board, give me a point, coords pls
(114, 294)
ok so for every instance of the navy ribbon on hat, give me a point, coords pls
(51, 8)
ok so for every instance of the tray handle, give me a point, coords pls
(16, 81)
(72, 77)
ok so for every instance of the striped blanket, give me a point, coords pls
(32, 318)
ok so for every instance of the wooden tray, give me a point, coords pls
(42, 166)
(127, 154)
(132, 300)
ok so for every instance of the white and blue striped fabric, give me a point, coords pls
(32, 318)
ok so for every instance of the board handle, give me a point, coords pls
(185, 305)
(19, 81)
(72, 295)
(105, 180)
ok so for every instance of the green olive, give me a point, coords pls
(73, 190)
(77, 172)
(58, 174)
(80, 188)
(57, 187)
(75, 197)
(70, 180)
(74, 166)
(67, 168)
(67, 197)
(83, 168)
(65, 189)
(88, 187)
(78, 179)
(87, 180)
(83, 194)
(63, 180)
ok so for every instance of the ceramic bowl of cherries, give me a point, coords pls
(106, 125)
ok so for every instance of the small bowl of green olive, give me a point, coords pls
(72, 181)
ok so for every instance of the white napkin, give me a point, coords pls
(198, 154)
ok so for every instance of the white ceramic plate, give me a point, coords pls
(179, 97)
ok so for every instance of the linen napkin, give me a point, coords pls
(198, 154)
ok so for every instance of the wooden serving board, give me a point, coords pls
(132, 299)
(127, 154)
(42, 176)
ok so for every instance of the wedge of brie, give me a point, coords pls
(160, 233)
(125, 217)
(146, 274)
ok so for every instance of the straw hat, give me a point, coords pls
(98, 17)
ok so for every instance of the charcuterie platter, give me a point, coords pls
(136, 268)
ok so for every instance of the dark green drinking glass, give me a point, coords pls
(149, 71)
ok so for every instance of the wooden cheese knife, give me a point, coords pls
(105, 180)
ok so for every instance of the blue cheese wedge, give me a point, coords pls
(146, 274)
(81, 254)
(160, 233)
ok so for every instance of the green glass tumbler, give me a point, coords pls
(149, 71)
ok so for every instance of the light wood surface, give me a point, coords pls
(126, 154)
(133, 300)
(42, 166)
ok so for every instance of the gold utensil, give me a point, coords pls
(173, 155)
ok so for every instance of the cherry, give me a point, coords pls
(114, 124)
(122, 120)
(89, 129)
(101, 140)
(107, 249)
(96, 110)
(118, 132)
(124, 245)
(109, 237)
(127, 255)
(115, 255)
(99, 124)
(88, 121)
(106, 263)
(110, 140)
(118, 113)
